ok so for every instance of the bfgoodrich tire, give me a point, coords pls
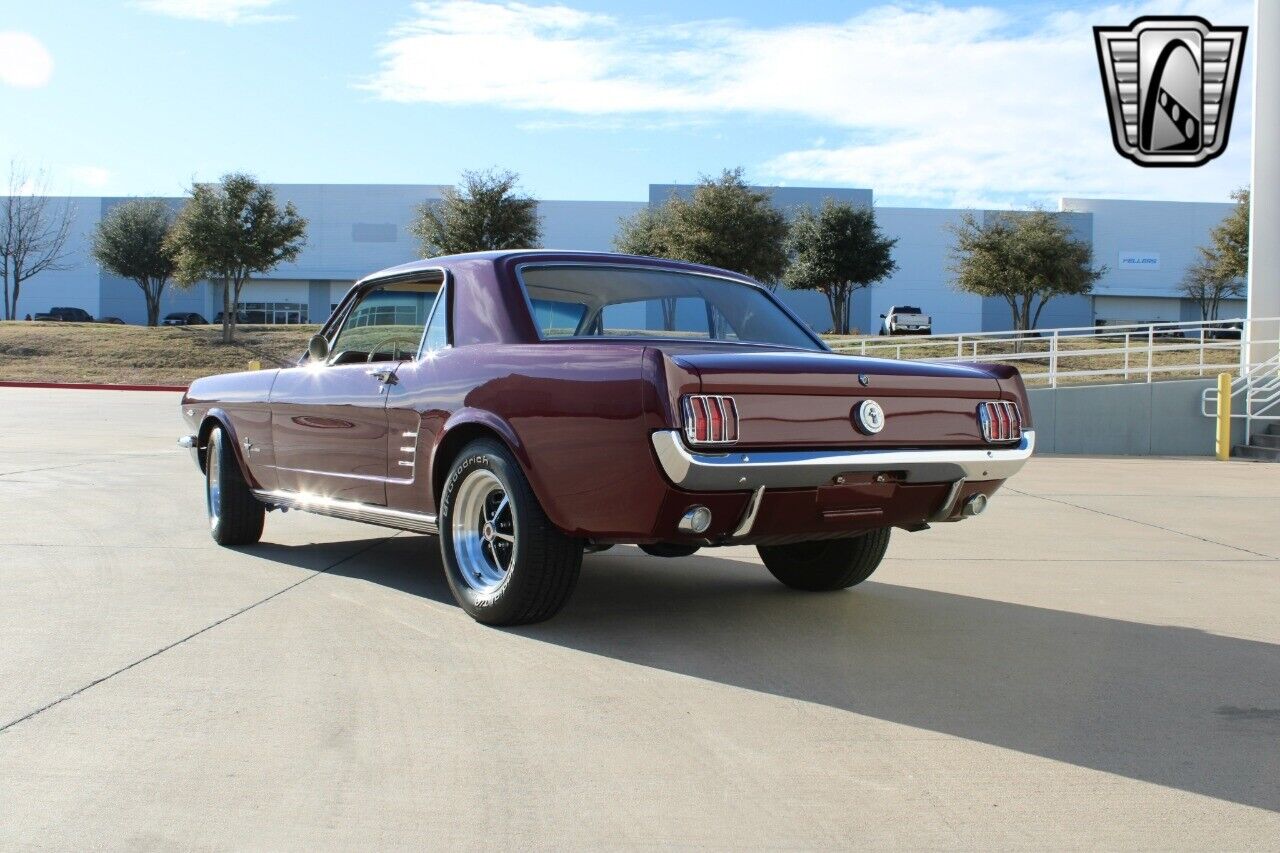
(505, 562)
(827, 564)
(235, 515)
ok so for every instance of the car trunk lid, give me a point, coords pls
(798, 399)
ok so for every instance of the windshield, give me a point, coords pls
(624, 302)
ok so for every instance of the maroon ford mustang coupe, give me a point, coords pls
(527, 406)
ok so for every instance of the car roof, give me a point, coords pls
(496, 256)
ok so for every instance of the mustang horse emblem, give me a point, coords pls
(1171, 87)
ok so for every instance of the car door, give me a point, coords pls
(329, 419)
(417, 407)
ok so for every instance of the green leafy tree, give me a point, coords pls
(132, 241)
(1229, 252)
(485, 211)
(230, 230)
(724, 224)
(836, 250)
(643, 233)
(1223, 266)
(1025, 258)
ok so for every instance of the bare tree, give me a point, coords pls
(1208, 281)
(33, 234)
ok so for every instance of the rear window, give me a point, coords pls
(625, 302)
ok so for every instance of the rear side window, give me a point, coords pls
(585, 301)
(437, 337)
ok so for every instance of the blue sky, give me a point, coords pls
(935, 104)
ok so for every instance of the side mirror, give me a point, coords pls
(881, 316)
(318, 348)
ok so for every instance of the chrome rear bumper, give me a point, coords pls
(787, 469)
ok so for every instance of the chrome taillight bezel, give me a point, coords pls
(1001, 421)
(721, 419)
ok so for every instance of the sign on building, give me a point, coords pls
(1139, 260)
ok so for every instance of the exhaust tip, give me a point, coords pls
(975, 505)
(696, 519)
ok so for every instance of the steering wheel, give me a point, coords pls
(410, 346)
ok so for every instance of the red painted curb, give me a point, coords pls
(90, 386)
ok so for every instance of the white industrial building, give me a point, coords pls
(356, 229)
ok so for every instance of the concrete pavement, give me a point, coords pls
(1093, 662)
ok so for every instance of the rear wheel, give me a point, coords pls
(826, 564)
(235, 515)
(505, 562)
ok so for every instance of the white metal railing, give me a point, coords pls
(1258, 393)
(1127, 352)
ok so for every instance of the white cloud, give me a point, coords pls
(929, 103)
(90, 177)
(217, 11)
(24, 61)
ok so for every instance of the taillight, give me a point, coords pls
(1001, 421)
(710, 419)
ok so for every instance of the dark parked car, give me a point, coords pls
(1229, 330)
(66, 315)
(530, 406)
(184, 318)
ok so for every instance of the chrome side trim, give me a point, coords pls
(749, 515)
(350, 510)
(787, 469)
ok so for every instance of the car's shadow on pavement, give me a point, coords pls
(1168, 705)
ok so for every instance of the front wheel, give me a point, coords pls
(505, 562)
(235, 515)
(826, 564)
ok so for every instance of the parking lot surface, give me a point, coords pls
(1093, 662)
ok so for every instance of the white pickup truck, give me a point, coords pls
(906, 320)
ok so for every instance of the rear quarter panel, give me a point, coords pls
(579, 417)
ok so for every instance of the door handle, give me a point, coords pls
(386, 376)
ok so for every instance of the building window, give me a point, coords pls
(273, 313)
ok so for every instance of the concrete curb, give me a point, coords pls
(91, 386)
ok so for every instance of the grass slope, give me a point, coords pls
(136, 355)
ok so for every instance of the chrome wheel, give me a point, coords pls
(484, 532)
(213, 477)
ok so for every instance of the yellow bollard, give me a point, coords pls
(255, 364)
(1224, 417)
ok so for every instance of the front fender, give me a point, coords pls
(219, 417)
